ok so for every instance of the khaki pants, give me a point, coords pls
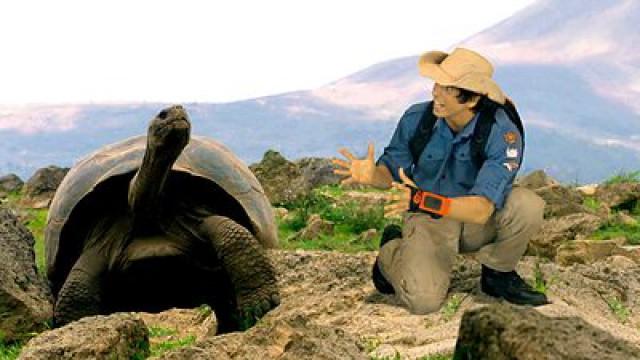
(419, 265)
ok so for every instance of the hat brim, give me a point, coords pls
(429, 66)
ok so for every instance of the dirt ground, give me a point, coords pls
(330, 291)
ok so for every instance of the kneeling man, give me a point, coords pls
(457, 157)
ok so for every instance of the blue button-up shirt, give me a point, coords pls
(445, 166)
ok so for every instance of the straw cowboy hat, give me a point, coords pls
(464, 69)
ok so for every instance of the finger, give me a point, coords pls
(398, 186)
(341, 163)
(388, 212)
(395, 207)
(402, 190)
(405, 179)
(341, 172)
(393, 213)
(370, 151)
(347, 154)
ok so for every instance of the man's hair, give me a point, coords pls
(465, 95)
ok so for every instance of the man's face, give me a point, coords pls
(445, 101)
(447, 106)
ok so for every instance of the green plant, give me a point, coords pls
(10, 351)
(160, 348)
(395, 357)
(451, 307)
(157, 331)
(540, 284)
(623, 177)
(297, 221)
(36, 223)
(591, 203)
(618, 309)
(204, 311)
(612, 231)
(350, 219)
(437, 357)
(142, 350)
(370, 344)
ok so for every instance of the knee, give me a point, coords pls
(424, 300)
(525, 207)
(425, 303)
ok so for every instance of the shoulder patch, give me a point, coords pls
(511, 166)
(510, 137)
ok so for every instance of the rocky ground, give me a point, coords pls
(330, 310)
(332, 292)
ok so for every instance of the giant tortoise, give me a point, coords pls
(166, 220)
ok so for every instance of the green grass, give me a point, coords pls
(161, 348)
(322, 201)
(623, 177)
(394, 357)
(591, 203)
(631, 232)
(438, 357)
(349, 219)
(157, 331)
(342, 240)
(204, 311)
(428, 357)
(10, 351)
(36, 223)
(451, 307)
(371, 343)
(618, 309)
(539, 283)
(612, 231)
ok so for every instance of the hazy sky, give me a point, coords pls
(215, 51)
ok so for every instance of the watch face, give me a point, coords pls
(432, 203)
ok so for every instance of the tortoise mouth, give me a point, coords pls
(156, 284)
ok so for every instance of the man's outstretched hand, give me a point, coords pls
(360, 171)
(399, 199)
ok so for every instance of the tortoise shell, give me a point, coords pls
(202, 157)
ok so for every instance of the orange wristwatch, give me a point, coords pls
(429, 202)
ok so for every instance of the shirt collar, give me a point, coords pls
(466, 132)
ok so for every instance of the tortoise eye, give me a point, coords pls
(163, 114)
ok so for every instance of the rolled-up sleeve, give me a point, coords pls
(397, 154)
(504, 155)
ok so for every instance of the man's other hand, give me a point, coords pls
(360, 171)
(400, 196)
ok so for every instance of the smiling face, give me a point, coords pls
(446, 105)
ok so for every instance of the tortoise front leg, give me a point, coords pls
(81, 294)
(167, 136)
(254, 289)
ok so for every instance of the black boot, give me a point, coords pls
(390, 232)
(510, 286)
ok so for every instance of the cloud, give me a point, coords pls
(381, 100)
(32, 119)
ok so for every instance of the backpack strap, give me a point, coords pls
(423, 132)
(483, 128)
(481, 133)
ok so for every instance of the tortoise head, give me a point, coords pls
(170, 126)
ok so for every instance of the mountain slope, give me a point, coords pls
(570, 65)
